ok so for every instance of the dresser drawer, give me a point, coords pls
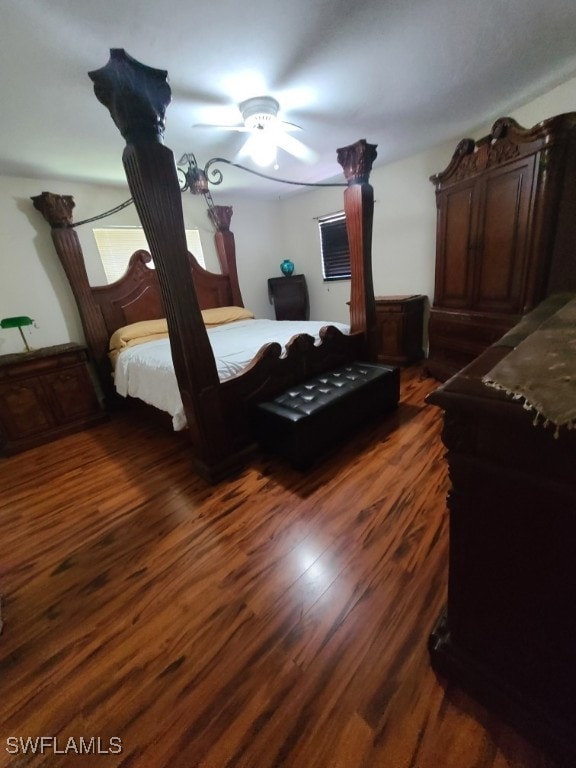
(45, 394)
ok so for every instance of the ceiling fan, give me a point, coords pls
(267, 132)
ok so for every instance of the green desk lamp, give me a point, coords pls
(17, 322)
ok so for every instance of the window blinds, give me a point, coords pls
(334, 247)
(117, 244)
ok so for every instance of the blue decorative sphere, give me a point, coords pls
(287, 267)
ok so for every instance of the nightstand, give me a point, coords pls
(45, 394)
(400, 324)
(290, 297)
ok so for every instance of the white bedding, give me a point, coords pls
(146, 370)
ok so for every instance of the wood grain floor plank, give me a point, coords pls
(275, 619)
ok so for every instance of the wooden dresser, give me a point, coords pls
(508, 634)
(290, 297)
(400, 324)
(45, 394)
(506, 228)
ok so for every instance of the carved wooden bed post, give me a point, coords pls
(57, 210)
(220, 216)
(356, 161)
(137, 96)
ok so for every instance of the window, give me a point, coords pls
(334, 247)
(117, 244)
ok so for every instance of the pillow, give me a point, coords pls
(222, 315)
(148, 330)
(145, 330)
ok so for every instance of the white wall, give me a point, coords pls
(404, 234)
(403, 241)
(33, 283)
(301, 243)
(256, 227)
(555, 102)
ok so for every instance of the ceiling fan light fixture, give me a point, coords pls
(264, 153)
(260, 112)
(266, 132)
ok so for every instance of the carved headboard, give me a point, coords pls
(135, 296)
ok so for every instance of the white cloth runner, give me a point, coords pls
(541, 370)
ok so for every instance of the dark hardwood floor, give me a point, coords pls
(276, 619)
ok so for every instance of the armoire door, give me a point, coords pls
(503, 238)
(457, 226)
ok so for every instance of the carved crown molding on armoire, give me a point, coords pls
(506, 227)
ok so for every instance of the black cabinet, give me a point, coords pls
(290, 297)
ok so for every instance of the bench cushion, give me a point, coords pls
(309, 419)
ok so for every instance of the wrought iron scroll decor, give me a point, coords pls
(197, 180)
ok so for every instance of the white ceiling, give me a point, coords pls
(403, 74)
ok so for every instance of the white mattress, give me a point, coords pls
(146, 370)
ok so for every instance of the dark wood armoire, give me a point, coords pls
(506, 235)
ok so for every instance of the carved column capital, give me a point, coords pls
(221, 216)
(135, 95)
(56, 209)
(356, 161)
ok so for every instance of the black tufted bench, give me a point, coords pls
(308, 419)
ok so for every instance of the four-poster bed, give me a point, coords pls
(179, 289)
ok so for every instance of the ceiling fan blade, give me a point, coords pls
(246, 148)
(296, 148)
(286, 126)
(240, 128)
